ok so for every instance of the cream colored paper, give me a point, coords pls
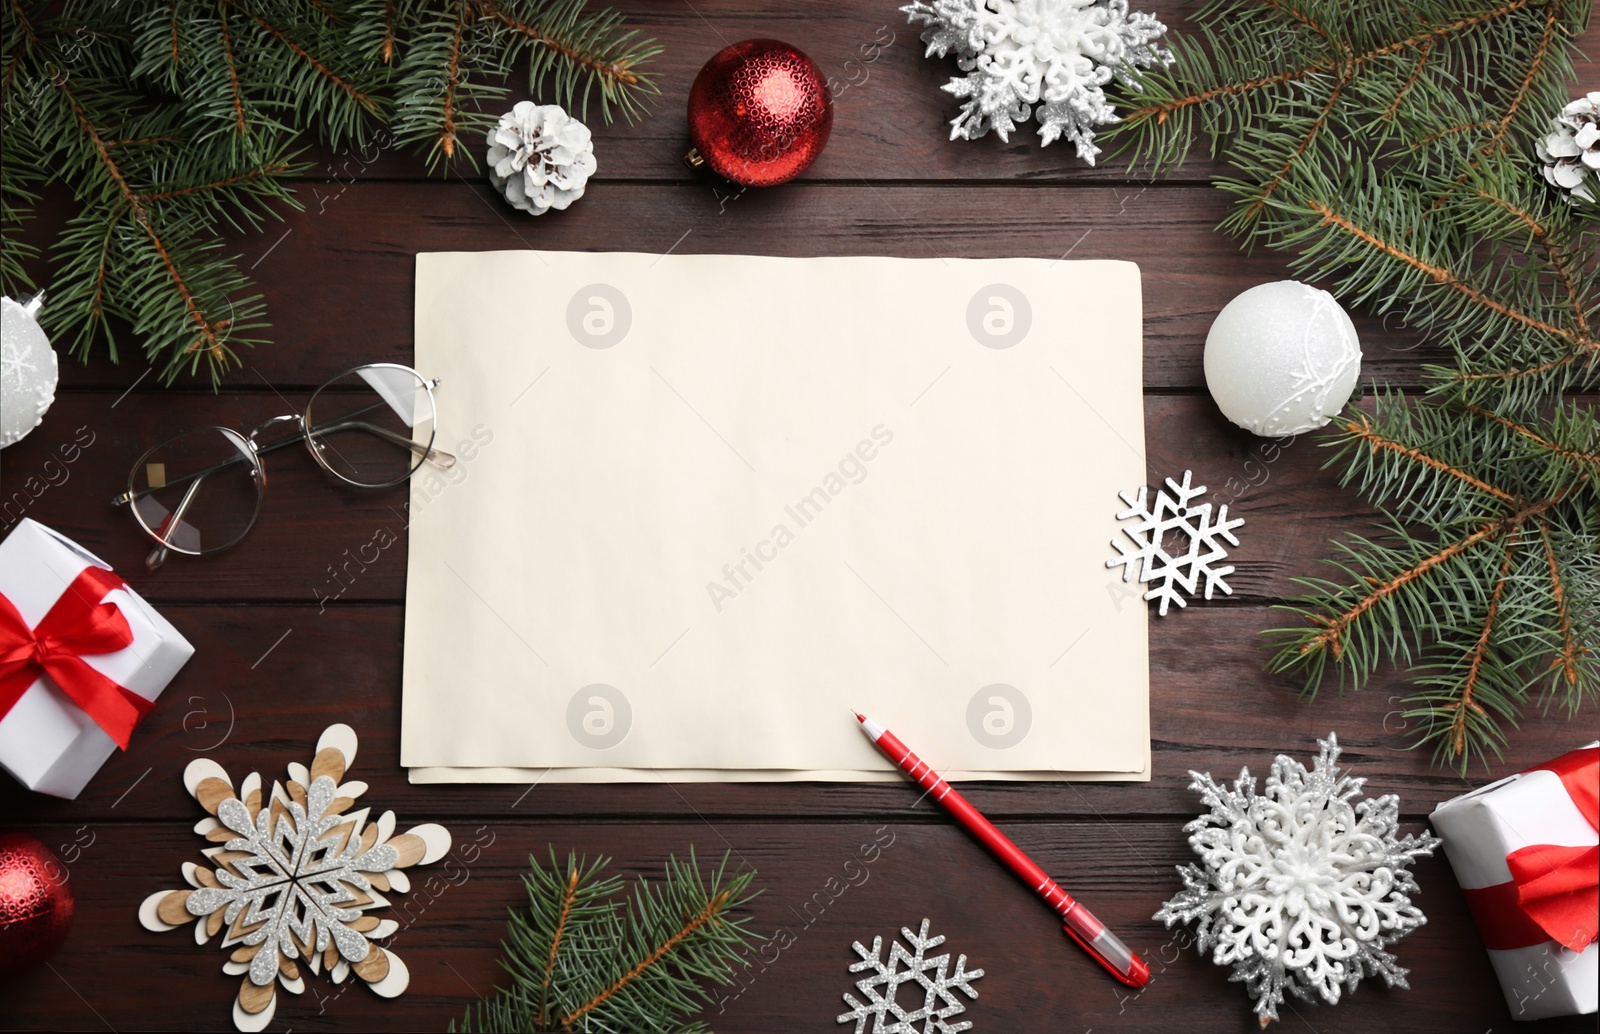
(595, 774)
(749, 494)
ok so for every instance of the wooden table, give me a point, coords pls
(272, 667)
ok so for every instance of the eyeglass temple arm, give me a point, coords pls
(438, 457)
(158, 556)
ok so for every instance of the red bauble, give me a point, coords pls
(36, 903)
(759, 113)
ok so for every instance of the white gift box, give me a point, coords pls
(1480, 829)
(46, 741)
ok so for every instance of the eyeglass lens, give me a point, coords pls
(371, 426)
(198, 492)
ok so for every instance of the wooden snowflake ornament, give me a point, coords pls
(292, 877)
(1301, 888)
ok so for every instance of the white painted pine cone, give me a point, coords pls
(540, 157)
(1571, 152)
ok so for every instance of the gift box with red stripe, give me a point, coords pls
(82, 660)
(1526, 852)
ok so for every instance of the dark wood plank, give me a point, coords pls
(339, 285)
(265, 680)
(112, 972)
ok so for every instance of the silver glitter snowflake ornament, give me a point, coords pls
(292, 877)
(1300, 888)
(1058, 54)
(1174, 577)
(931, 975)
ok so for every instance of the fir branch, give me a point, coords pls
(708, 913)
(1362, 428)
(567, 899)
(324, 10)
(269, 170)
(1299, 152)
(175, 121)
(1517, 373)
(235, 92)
(1497, 140)
(23, 22)
(1552, 252)
(1161, 109)
(1464, 708)
(1445, 278)
(349, 89)
(1565, 663)
(1423, 53)
(173, 52)
(452, 80)
(389, 19)
(574, 49)
(1582, 458)
(209, 335)
(1332, 636)
(1435, 137)
(584, 956)
(616, 70)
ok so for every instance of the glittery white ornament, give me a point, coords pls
(28, 369)
(1571, 154)
(1282, 358)
(1300, 889)
(929, 974)
(540, 157)
(293, 872)
(1058, 54)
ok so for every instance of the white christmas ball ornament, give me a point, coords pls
(1282, 358)
(27, 370)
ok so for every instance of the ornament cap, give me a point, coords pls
(693, 158)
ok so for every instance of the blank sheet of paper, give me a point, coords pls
(704, 505)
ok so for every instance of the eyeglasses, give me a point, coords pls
(200, 492)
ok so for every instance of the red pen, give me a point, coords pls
(1081, 925)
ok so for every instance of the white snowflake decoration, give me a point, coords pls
(1058, 54)
(1172, 577)
(1301, 888)
(939, 1002)
(293, 877)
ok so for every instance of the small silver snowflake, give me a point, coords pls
(1058, 54)
(292, 876)
(1301, 888)
(881, 988)
(1174, 578)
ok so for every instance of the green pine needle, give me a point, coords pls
(1389, 149)
(586, 955)
(174, 123)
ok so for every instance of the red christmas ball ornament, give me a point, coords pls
(36, 902)
(759, 113)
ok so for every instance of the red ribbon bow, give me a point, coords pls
(1554, 891)
(79, 624)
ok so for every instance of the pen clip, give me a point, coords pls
(1138, 974)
